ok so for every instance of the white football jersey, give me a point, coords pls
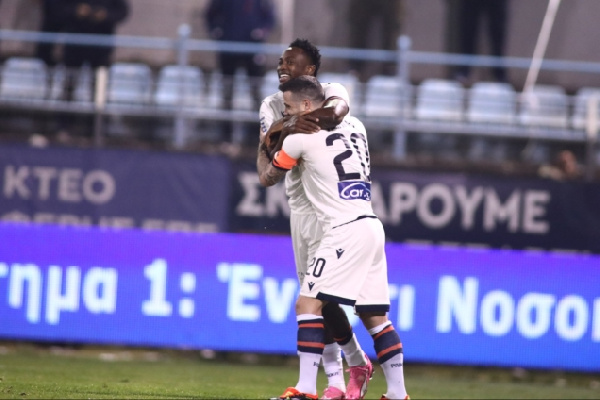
(272, 110)
(335, 171)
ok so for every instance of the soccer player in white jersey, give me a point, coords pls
(349, 266)
(303, 58)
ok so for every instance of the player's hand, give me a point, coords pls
(272, 140)
(301, 123)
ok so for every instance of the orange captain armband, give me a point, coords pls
(282, 160)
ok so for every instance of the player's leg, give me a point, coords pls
(332, 353)
(306, 235)
(310, 344)
(372, 306)
(337, 322)
(389, 352)
(336, 276)
(361, 369)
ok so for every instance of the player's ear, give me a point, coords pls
(306, 104)
(311, 70)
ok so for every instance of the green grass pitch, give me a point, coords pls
(44, 372)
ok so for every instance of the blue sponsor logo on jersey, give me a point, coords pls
(355, 190)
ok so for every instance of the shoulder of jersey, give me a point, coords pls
(326, 84)
(278, 96)
(353, 121)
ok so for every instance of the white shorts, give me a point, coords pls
(306, 232)
(350, 267)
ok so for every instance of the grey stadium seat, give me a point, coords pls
(129, 83)
(440, 99)
(179, 85)
(23, 78)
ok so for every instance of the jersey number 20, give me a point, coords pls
(356, 138)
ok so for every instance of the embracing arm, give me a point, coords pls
(332, 113)
(268, 175)
(327, 117)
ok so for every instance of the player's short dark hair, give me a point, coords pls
(311, 51)
(306, 86)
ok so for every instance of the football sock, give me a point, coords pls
(332, 364)
(352, 351)
(389, 354)
(311, 339)
(337, 322)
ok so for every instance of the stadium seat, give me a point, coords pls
(242, 92)
(580, 106)
(544, 106)
(176, 83)
(491, 102)
(84, 80)
(57, 82)
(349, 81)
(129, 83)
(440, 99)
(24, 78)
(270, 84)
(384, 97)
(242, 95)
(84, 85)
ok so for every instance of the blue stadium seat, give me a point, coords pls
(271, 83)
(24, 78)
(349, 81)
(580, 106)
(440, 99)
(544, 106)
(492, 102)
(179, 85)
(385, 97)
(129, 83)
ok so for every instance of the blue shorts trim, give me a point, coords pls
(372, 308)
(335, 299)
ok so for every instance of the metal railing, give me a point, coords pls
(404, 57)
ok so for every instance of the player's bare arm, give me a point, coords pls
(327, 117)
(271, 175)
(332, 113)
(268, 175)
(272, 135)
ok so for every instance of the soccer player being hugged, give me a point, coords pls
(303, 58)
(349, 265)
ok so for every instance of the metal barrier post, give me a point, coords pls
(179, 124)
(404, 43)
(591, 130)
(99, 104)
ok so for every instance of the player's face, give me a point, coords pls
(294, 63)
(294, 105)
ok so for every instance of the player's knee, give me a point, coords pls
(335, 318)
(308, 305)
(373, 319)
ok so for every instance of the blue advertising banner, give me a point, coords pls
(450, 208)
(236, 292)
(114, 188)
